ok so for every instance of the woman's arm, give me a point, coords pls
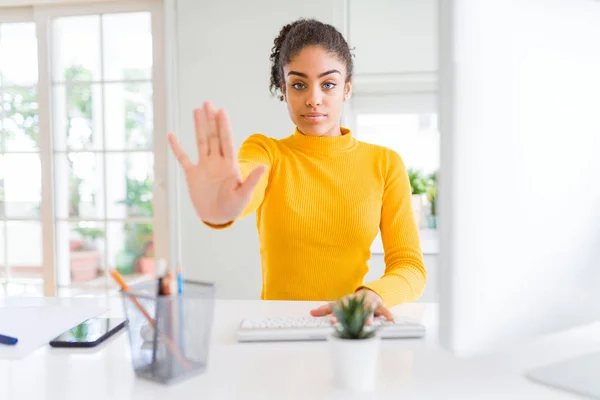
(405, 275)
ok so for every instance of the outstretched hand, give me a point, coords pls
(216, 188)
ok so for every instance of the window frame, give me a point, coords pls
(41, 13)
(14, 15)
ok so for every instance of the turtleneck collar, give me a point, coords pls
(324, 144)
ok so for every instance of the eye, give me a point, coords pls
(299, 86)
(329, 85)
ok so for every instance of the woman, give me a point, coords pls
(320, 195)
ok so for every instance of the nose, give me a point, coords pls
(314, 98)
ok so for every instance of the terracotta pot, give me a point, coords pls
(75, 244)
(147, 265)
(84, 265)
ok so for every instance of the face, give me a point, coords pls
(315, 91)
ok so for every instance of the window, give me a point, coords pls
(412, 135)
(79, 156)
(20, 168)
(407, 124)
(102, 149)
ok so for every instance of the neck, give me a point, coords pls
(335, 131)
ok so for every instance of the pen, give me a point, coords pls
(8, 340)
(161, 269)
(166, 283)
(179, 279)
(180, 312)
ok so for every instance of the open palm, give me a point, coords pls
(216, 188)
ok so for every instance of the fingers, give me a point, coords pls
(252, 180)
(214, 147)
(379, 310)
(383, 311)
(321, 311)
(213, 132)
(200, 126)
(183, 159)
(225, 135)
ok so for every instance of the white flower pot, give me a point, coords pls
(354, 362)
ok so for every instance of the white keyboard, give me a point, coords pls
(275, 329)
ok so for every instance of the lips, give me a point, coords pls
(314, 117)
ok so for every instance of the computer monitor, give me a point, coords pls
(520, 173)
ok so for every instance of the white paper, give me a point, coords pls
(36, 322)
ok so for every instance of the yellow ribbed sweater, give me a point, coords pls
(318, 209)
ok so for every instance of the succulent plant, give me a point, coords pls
(352, 315)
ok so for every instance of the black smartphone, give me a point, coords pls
(89, 333)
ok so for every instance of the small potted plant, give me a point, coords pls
(138, 254)
(432, 197)
(354, 346)
(146, 263)
(418, 187)
(85, 258)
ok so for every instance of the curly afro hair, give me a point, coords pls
(302, 33)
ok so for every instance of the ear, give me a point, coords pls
(283, 93)
(348, 90)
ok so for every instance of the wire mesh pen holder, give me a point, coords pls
(169, 335)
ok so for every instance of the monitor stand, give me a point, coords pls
(579, 375)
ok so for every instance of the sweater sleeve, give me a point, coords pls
(256, 150)
(405, 275)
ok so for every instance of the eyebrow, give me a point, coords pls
(331, 71)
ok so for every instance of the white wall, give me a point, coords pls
(223, 56)
(393, 36)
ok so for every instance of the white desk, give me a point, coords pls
(409, 369)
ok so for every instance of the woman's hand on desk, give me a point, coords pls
(372, 300)
(215, 184)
